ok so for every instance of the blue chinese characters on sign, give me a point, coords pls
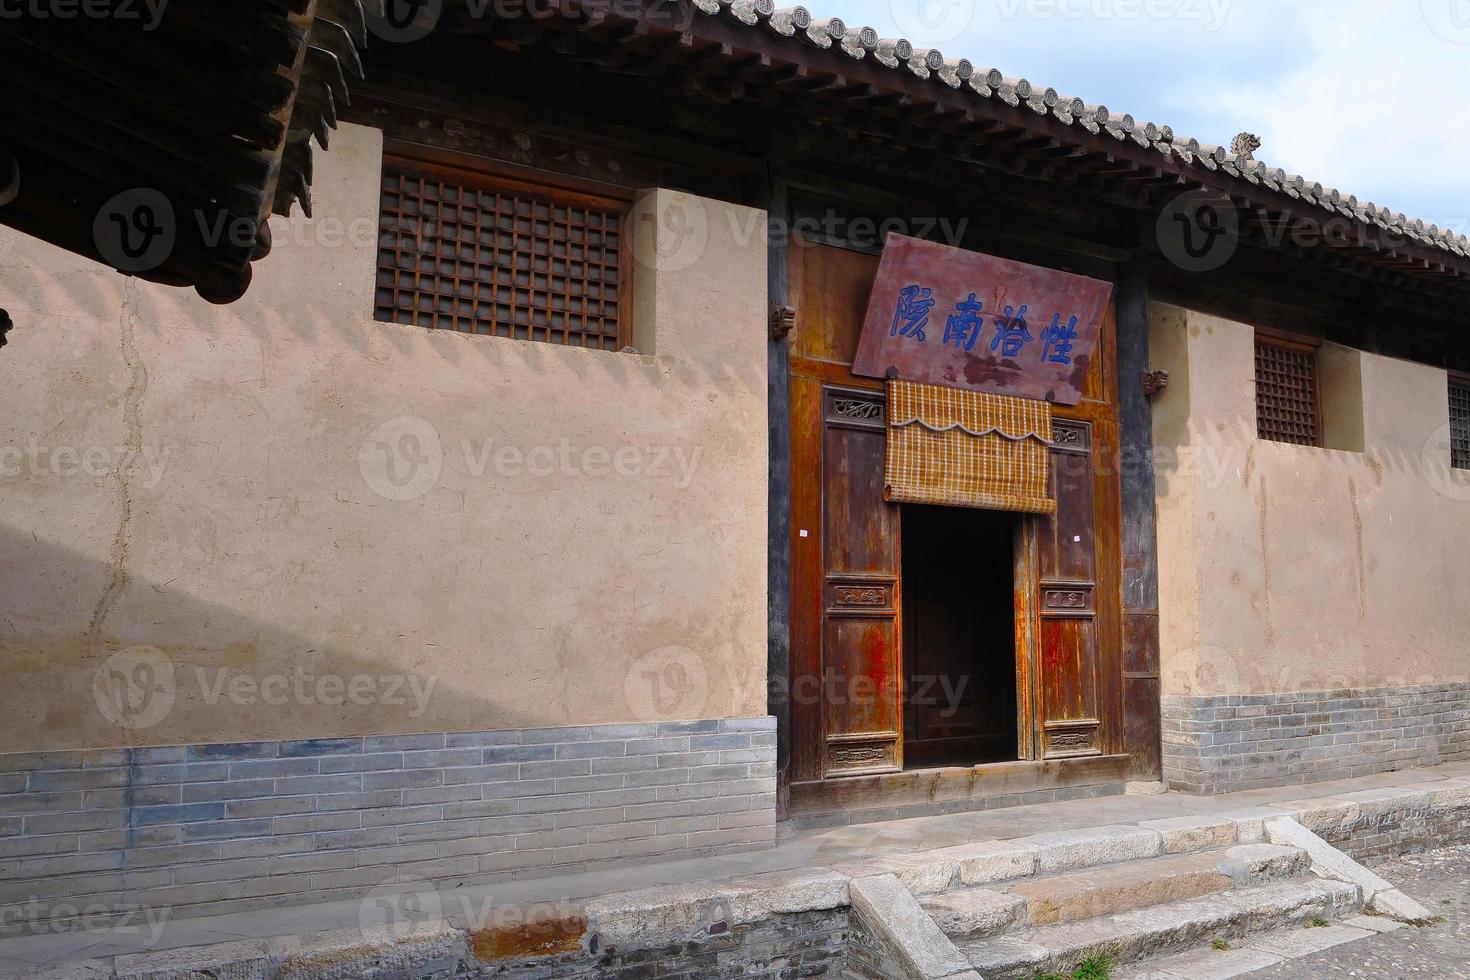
(912, 314)
(1057, 340)
(964, 327)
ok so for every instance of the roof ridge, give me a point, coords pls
(931, 64)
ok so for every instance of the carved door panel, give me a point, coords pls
(1069, 641)
(861, 665)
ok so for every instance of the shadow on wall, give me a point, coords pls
(128, 685)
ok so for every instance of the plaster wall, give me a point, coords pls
(1289, 569)
(282, 519)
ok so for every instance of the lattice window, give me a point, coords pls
(1460, 423)
(464, 251)
(1288, 406)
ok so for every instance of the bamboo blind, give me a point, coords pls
(1287, 399)
(465, 252)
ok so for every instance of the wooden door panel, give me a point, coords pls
(861, 665)
(859, 527)
(829, 289)
(1070, 652)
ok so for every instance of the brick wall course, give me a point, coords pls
(206, 829)
(1223, 744)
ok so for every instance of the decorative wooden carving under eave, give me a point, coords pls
(1154, 382)
(783, 321)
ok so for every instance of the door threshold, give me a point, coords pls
(954, 789)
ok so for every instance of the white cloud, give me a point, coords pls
(1375, 109)
(1363, 95)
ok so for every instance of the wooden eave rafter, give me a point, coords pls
(989, 123)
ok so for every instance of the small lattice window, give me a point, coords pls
(1288, 406)
(464, 251)
(1460, 423)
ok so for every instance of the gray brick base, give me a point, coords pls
(1223, 744)
(213, 828)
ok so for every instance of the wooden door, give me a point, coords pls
(846, 667)
(1074, 590)
(847, 591)
(862, 679)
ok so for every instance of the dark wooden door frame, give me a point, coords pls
(1141, 684)
(1140, 615)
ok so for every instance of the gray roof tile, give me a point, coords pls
(958, 73)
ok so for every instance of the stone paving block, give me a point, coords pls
(1183, 834)
(227, 961)
(974, 912)
(75, 970)
(1208, 964)
(920, 873)
(680, 913)
(1103, 891)
(1398, 906)
(888, 909)
(1293, 943)
(1373, 923)
(1252, 863)
(991, 861)
(1072, 849)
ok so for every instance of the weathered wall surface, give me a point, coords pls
(1287, 570)
(281, 519)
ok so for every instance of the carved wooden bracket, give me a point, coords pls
(1154, 382)
(783, 321)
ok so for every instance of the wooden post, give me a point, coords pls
(1141, 687)
(778, 539)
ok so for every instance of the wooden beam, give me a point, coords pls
(1141, 682)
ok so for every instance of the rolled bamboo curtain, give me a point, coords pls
(961, 448)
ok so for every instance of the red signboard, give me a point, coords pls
(942, 315)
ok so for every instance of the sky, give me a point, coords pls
(1368, 96)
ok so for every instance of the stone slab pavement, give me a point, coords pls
(818, 848)
(1359, 946)
(1440, 880)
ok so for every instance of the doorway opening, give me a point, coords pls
(959, 636)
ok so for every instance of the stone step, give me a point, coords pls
(1073, 896)
(1160, 929)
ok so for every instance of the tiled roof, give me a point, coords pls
(929, 64)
